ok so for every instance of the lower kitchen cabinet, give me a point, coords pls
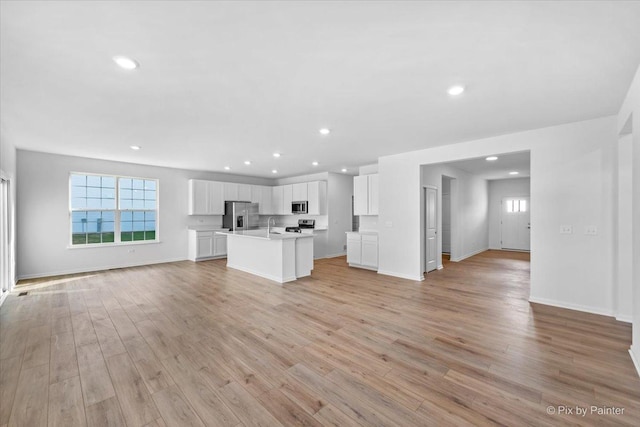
(362, 250)
(206, 244)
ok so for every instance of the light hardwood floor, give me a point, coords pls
(184, 344)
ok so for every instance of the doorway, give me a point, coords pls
(5, 239)
(431, 228)
(515, 223)
(446, 217)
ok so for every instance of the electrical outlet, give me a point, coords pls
(591, 230)
(131, 251)
(388, 224)
(345, 247)
(566, 229)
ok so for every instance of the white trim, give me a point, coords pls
(96, 269)
(570, 306)
(3, 297)
(334, 255)
(634, 359)
(463, 257)
(418, 278)
(261, 274)
(112, 244)
(365, 267)
(624, 318)
(440, 267)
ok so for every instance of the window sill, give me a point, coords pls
(111, 245)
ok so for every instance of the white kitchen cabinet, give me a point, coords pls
(206, 244)
(256, 193)
(205, 197)
(317, 197)
(231, 191)
(365, 195)
(287, 198)
(369, 257)
(299, 192)
(362, 250)
(277, 200)
(266, 205)
(244, 192)
(354, 248)
(219, 245)
(373, 194)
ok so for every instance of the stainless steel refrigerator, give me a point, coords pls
(240, 216)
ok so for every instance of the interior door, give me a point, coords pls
(431, 229)
(515, 223)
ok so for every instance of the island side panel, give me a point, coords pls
(262, 257)
(304, 256)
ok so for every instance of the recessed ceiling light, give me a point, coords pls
(324, 131)
(126, 63)
(274, 171)
(247, 162)
(344, 169)
(227, 168)
(135, 147)
(491, 158)
(276, 155)
(456, 90)
(314, 163)
(513, 173)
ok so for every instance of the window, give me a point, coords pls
(516, 206)
(112, 209)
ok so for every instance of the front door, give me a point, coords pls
(431, 229)
(516, 225)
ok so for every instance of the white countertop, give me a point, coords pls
(262, 234)
(365, 232)
(206, 228)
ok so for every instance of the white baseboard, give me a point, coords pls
(402, 275)
(364, 267)
(94, 269)
(440, 267)
(334, 255)
(634, 352)
(570, 306)
(3, 297)
(624, 318)
(460, 258)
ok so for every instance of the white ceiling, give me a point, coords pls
(497, 169)
(221, 82)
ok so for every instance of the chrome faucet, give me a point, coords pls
(269, 224)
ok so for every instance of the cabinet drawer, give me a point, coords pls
(369, 238)
(203, 234)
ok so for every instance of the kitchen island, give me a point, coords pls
(281, 257)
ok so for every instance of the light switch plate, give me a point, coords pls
(591, 230)
(566, 229)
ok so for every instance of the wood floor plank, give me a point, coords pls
(330, 416)
(105, 414)
(9, 374)
(175, 409)
(285, 410)
(246, 407)
(94, 376)
(30, 404)
(137, 406)
(66, 408)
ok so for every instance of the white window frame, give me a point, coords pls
(117, 211)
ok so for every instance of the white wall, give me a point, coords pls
(631, 110)
(8, 167)
(470, 222)
(623, 252)
(571, 169)
(499, 189)
(43, 215)
(339, 194)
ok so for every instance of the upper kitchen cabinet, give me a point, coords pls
(261, 194)
(365, 195)
(317, 197)
(287, 197)
(244, 192)
(231, 191)
(300, 193)
(206, 197)
(277, 200)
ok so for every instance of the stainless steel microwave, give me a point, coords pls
(299, 207)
